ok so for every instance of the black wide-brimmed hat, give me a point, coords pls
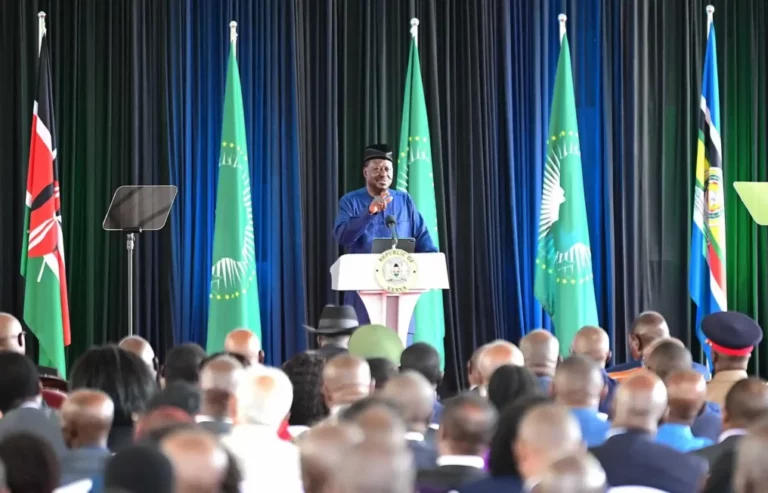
(336, 320)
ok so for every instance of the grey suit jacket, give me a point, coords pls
(42, 423)
(83, 463)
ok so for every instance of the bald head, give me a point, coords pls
(546, 433)
(323, 449)
(246, 344)
(11, 338)
(686, 393)
(473, 368)
(467, 424)
(577, 473)
(86, 418)
(346, 379)
(578, 382)
(496, 354)
(264, 396)
(383, 425)
(371, 468)
(141, 348)
(415, 397)
(199, 462)
(646, 328)
(667, 356)
(541, 351)
(640, 402)
(221, 373)
(592, 342)
(751, 468)
(746, 403)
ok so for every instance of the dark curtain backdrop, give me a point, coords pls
(138, 92)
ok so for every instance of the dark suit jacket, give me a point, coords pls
(330, 350)
(43, 423)
(506, 484)
(634, 459)
(218, 428)
(83, 463)
(721, 462)
(120, 437)
(446, 478)
(47, 371)
(714, 452)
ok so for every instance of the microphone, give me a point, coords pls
(392, 225)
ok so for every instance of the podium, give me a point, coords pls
(390, 283)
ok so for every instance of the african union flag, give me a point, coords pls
(707, 271)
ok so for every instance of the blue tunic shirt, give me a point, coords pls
(356, 228)
(680, 437)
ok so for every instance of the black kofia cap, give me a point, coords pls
(377, 151)
(336, 321)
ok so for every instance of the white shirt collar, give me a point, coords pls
(335, 410)
(202, 418)
(461, 460)
(414, 436)
(731, 433)
(530, 483)
(35, 403)
(615, 431)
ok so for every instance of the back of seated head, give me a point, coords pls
(122, 375)
(239, 357)
(510, 383)
(139, 469)
(547, 431)
(496, 354)
(351, 413)
(264, 396)
(371, 468)
(324, 448)
(422, 358)
(501, 461)
(199, 460)
(31, 464)
(178, 394)
(646, 328)
(415, 397)
(152, 433)
(575, 473)
(182, 363)
(746, 403)
(751, 463)
(346, 379)
(640, 402)
(467, 425)
(668, 356)
(305, 371)
(592, 342)
(245, 343)
(382, 370)
(541, 352)
(160, 418)
(19, 380)
(578, 382)
(686, 394)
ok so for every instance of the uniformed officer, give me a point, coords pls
(336, 325)
(732, 337)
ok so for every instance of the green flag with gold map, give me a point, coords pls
(564, 283)
(414, 175)
(234, 298)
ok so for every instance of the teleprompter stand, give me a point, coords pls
(135, 209)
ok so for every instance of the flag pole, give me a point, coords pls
(40, 31)
(710, 17)
(415, 30)
(233, 36)
(562, 18)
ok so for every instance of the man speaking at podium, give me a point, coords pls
(363, 216)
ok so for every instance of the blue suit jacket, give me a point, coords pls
(544, 384)
(424, 454)
(709, 423)
(607, 402)
(634, 459)
(437, 412)
(631, 365)
(507, 484)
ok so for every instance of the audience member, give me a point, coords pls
(541, 353)
(199, 462)
(323, 450)
(3, 479)
(263, 401)
(30, 464)
(686, 390)
(12, 339)
(577, 473)
(751, 469)
(495, 355)
(414, 395)
(382, 370)
(143, 349)
(376, 341)
(218, 382)
(630, 457)
(592, 342)
(336, 325)
(21, 403)
(305, 370)
(125, 378)
(153, 424)
(465, 431)
(139, 469)
(246, 344)
(370, 468)
(732, 337)
(578, 385)
(474, 378)
(86, 418)
(547, 433)
(379, 419)
(178, 394)
(423, 358)
(510, 383)
(745, 406)
(182, 364)
(346, 379)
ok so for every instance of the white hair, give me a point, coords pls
(264, 396)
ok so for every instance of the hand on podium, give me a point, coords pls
(380, 203)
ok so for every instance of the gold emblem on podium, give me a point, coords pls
(396, 271)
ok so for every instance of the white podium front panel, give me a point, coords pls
(357, 272)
